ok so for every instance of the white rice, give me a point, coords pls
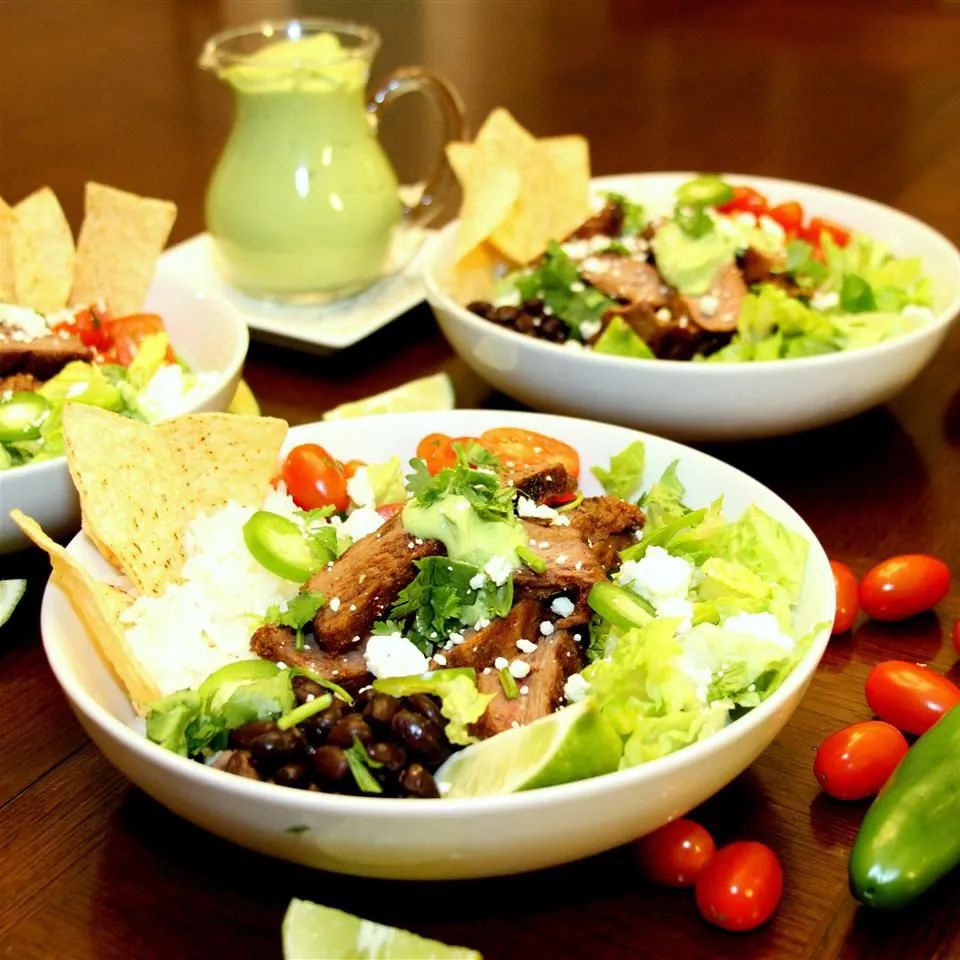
(206, 621)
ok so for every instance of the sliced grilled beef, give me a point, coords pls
(17, 382)
(607, 222)
(279, 644)
(630, 279)
(362, 584)
(43, 357)
(669, 331)
(237, 762)
(555, 658)
(607, 525)
(481, 647)
(541, 484)
(719, 309)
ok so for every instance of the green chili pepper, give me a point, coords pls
(622, 607)
(21, 416)
(910, 836)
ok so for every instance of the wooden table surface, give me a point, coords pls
(863, 96)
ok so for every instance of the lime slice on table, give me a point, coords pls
(573, 744)
(10, 593)
(313, 932)
(427, 393)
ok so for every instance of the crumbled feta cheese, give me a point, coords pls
(524, 690)
(657, 576)
(576, 249)
(360, 489)
(498, 569)
(576, 688)
(478, 580)
(334, 604)
(440, 658)
(546, 628)
(561, 558)
(825, 300)
(744, 218)
(515, 724)
(573, 344)
(393, 655)
(577, 287)
(519, 669)
(677, 607)
(527, 508)
(763, 626)
(500, 663)
(362, 522)
(924, 314)
(481, 624)
(456, 639)
(664, 314)
(708, 304)
(510, 298)
(770, 226)
(590, 328)
(526, 646)
(562, 606)
(23, 321)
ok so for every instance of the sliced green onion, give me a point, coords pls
(299, 714)
(620, 606)
(536, 563)
(334, 688)
(280, 546)
(706, 191)
(359, 762)
(21, 416)
(509, 684)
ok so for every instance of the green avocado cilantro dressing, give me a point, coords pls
(691, 263)
(453, 522)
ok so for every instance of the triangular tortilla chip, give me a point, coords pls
(99, 606)
(140, 485)
(7, 278)
(121, 238)
(474, 276)
(41, 220)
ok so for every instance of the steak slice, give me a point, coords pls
(480, 648)
(541, 484)
(607, 525)
(238, 762)
(630, 279)
(606, 222)
(727, 292)
(17, 382)
(279, 645)
(43, 357)
(555, 658)
(362, 584)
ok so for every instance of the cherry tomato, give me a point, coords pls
(740, 887)
(955, 635)
(745, 200)
(436, 450)
(788, 215)
(911, 697)
(847, 599)
(520, 450)
(857, 761)
(128, 333)
(904, 586)
(314, 479)
(389, 510)
(818, 226)
(676, 854)
(351, 467)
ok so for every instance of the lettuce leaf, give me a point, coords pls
(386, 479)
(663, 502)
(150, 357)
(625, 474)
(621, 340)
(81, 382)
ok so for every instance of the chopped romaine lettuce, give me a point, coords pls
(150, 357)
(81, 382)
(625, 474)
(386, 479)
(621, 340)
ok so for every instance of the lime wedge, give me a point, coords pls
(427, 393)
(244, 402)
(572, 744)
(313, 932)
(10, 593)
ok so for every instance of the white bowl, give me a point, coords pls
(695, 401)
(207, 333)
(440, 839)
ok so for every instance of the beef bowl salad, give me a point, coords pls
(721, 276)
(456, 620)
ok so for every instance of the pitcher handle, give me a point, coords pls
(449, 107)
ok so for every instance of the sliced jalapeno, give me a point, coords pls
(21, 416)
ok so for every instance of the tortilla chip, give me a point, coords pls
(140, 485)
(571, 157)
(34, 286)
(503, 137)
(474, 276)
(7, 285)
(42, 221)
(121, 239)
(99, 606)
(489, 193)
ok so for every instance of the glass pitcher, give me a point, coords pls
(303, 203)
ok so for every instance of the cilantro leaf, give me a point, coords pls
(633, 214)
(360, 763)
(297, 613)
(479, 485)
(856, 295)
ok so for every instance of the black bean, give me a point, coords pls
(481, 308)
(381, 708)
(506, 315)
(330, 764)
(303, 687)
(244, 736)
(362, 699)
(422, 737)
(276, 746)
(526, 323)
(533, 307)
(348, 727)
(291, 774)
(415, 781)
(427, 706)
(317, 728)
(392, 757)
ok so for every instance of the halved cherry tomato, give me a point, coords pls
(314, 479)
(127, 333)
(92, 328)
(847, 597)
(389, 510)
(351, 467)
(955, 635)
(911, 697)
(857, 761)
(436, 450)
(745, 200)
(819, 226)
(520, 450)
(676, 854)
(788, 215)
(904, 586)
(740, 887)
